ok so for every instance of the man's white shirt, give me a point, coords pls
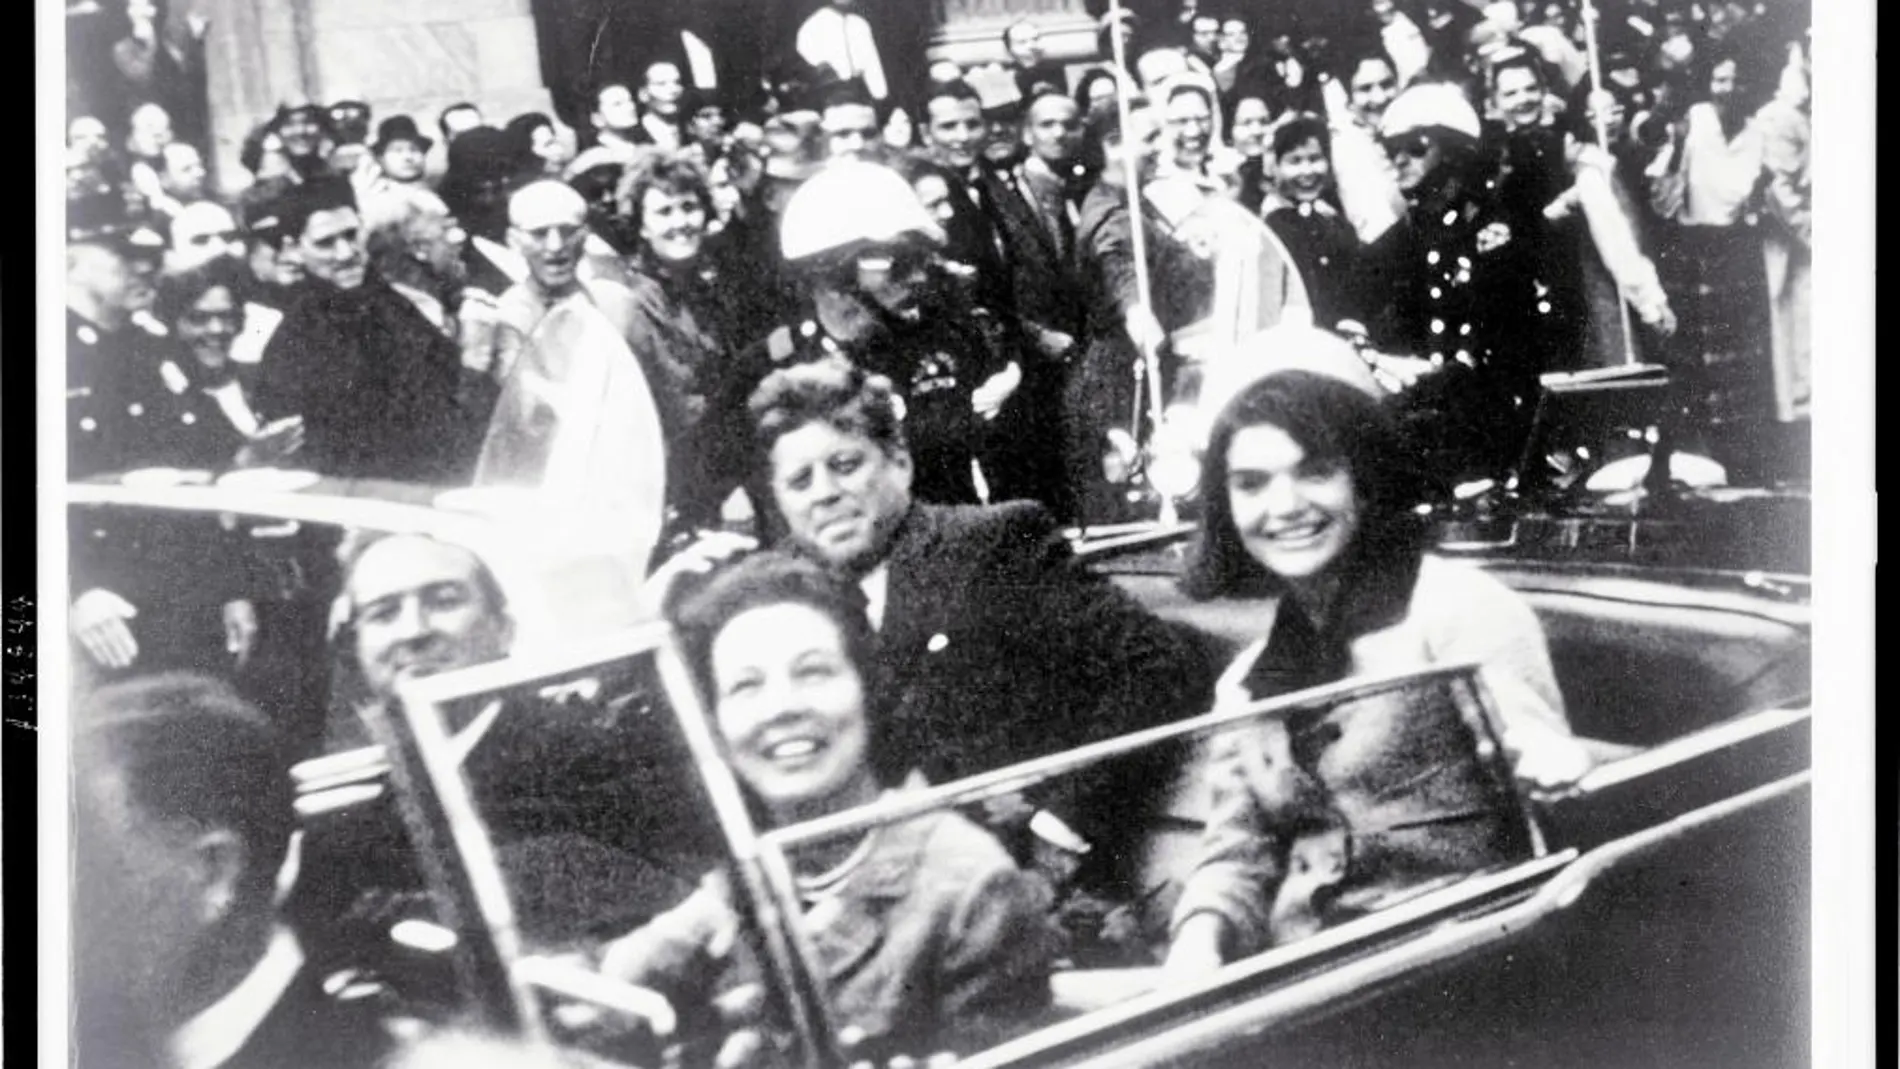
(843, 40)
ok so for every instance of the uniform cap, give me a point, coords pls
(851, 202)
(1430, 105)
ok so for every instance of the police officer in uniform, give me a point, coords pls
(128, 403)
(1460, 279)
(866, 251)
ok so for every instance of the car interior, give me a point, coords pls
(1641, 659)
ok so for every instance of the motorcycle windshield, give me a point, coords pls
(577, 427)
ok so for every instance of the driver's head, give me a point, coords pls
(182, 806)
(833, 447)
(416, 606)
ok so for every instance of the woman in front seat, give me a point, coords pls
(927, 935)
(1320, 816)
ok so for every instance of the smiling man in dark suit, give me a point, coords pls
(994, 645)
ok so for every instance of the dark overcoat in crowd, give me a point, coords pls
(1330, 258)
(996, 647)
(1036, 227)
(382, 392)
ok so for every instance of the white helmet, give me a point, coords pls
(1427, 105)
(852, 202)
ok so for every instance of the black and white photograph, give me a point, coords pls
(882, 534)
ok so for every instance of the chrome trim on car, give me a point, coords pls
(1215, 1029)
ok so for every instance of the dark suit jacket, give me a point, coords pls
(381, 391)
(996, 647)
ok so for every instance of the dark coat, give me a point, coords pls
(381, 391)
(996, 647)
(123, 413)
(1330, 257)
(1048, 295)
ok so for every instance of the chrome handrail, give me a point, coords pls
(1570, 876)
(1014, 778)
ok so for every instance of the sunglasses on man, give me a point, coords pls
(1417, 147)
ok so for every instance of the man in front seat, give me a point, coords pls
(182, 821)
(571, 802)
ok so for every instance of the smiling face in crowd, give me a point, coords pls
(1372, 86)
(1519, 98)
(208, 327)
(1190, 120)
(673, 225)
(956, 127)
(1303, 173)
(790, 705)
(842, 494)
(331, 247)
(300, 133)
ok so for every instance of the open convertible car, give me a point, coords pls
(1657, 915)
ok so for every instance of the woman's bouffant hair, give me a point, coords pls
(674, 173)
(1330, 420)
(700, 611)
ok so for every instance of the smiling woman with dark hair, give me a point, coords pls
(929, 936)
(1309, 500)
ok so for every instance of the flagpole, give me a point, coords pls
(1149, 367)
(1602, 124)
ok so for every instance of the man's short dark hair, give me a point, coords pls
(593, 95)
(193, 752)
(845, 92)
(958, 90)
(833, 391)
(442, 117)
(1010, 30)
(319, 193)
(1297, 130)
(674, 173)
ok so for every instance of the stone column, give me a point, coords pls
(413, 57)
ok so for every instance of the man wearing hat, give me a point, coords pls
(382, 392)
(1460, 274)
(304, 129)
(402, 150)
(122, 412)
